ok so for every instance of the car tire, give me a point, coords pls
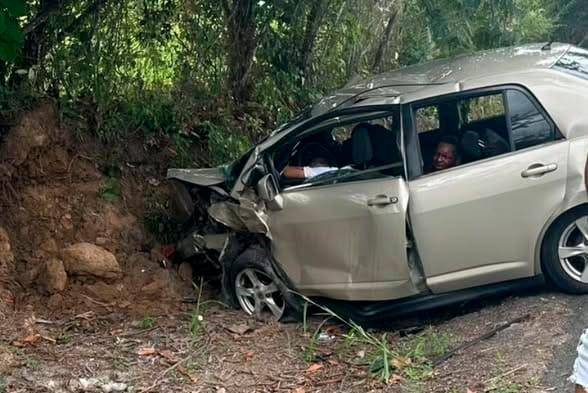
(258, 290)
(562, 258)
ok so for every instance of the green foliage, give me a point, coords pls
(160, 68)
(158, 221)
(111, 190)
(11, 35)
(148, 322)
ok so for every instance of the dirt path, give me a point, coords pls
(561, 365)
(104, 350)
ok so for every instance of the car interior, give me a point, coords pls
(478, 124)
(356, 150)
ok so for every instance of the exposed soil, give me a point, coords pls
(55, 200)
(86, 305)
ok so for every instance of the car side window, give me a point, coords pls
(528, 126)
(474, 127)
(348, 151)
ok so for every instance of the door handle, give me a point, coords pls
(537, 170)
(382, 200)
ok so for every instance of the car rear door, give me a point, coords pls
(478, 223)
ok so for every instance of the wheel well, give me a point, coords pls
(548, 227)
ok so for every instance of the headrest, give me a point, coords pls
(471, 146)
(361, 151)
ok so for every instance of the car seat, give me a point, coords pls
(386, 146)
(362, 151)
(477, 145)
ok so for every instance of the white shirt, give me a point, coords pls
(317, 170)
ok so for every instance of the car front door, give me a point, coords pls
(345, 238)
(478, 223)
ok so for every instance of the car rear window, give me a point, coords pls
(575, 62)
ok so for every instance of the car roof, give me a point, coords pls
(439, 77)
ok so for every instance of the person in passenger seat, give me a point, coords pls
(446, 154)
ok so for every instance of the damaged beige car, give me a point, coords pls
(437, 183)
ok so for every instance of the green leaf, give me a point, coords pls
(4, 17)
(15, 8)
(12, 32)
(8, 51)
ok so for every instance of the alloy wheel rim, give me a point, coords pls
(573, 250)
(259, 295)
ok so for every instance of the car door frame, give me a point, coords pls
(413, 154)
(367, 290)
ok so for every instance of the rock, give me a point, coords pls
(55, 301)
(87, 259)
(101, 241)
(49, 246)
(185, 272)
(53, 278)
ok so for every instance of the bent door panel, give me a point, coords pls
(478, 223)
(331, 243)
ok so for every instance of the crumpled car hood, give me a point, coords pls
(201, 177)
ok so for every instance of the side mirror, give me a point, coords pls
(254, 175)
(267, 189)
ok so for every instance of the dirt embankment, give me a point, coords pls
(71, 238)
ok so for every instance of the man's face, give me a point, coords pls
(444, 156)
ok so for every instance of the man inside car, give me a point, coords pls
(446, 154)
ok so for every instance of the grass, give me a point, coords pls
(147, 322)
(3, 384)
(411, 358)
(196, 325)
(111, 191)
(64, 338)
(32, 363)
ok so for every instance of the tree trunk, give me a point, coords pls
(241, 47)
(35, 34)
(379, 57)
(313, 24)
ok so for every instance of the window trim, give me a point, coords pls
(414, 149)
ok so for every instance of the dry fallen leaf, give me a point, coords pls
(147, 351)
(239, 329)
(249, 355)
(399, 362)
(298, 390)
(32, 339)
(185, 372)
(395, 379)
(168, 355)
(314, 368)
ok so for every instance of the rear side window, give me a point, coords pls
(574, 62)
(482, 108)
(529, 126)
(427, 118)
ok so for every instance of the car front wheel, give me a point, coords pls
(564, 253)
(258, 290)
